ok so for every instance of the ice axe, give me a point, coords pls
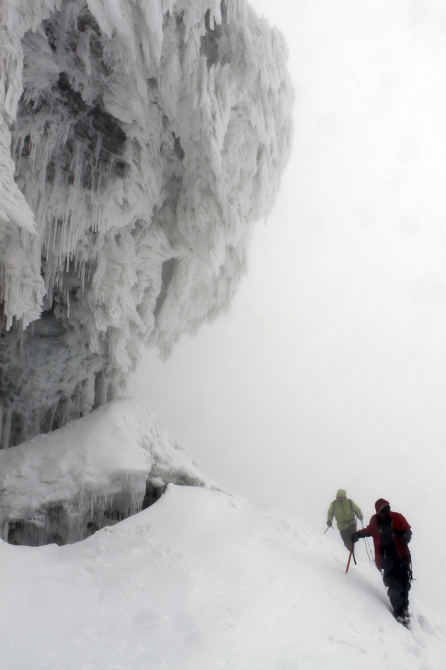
(352, 553)
(327, 529)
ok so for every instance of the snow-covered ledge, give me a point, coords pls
(92, 473)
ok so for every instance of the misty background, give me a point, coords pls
(328, 371)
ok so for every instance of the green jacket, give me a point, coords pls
(344, 512)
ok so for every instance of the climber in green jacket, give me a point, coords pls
(344, 510)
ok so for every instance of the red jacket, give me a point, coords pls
(399, 526)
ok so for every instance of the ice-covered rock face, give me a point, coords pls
(139, 142)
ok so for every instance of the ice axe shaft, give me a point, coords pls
(352, 553)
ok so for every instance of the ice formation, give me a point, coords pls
(93, 472)
(139, 142)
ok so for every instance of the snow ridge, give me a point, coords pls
(203, 581)
(139, 143)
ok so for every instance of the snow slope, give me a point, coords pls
(199, 581)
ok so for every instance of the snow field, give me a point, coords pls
(203, 580)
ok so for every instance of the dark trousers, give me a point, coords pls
(396, 577)
(347, 533)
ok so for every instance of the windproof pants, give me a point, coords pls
(396, 577)
(347, 533)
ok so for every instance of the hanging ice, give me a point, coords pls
(141, 139)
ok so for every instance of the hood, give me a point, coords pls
(382, 502)
(341, 493)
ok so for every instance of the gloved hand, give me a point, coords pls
(354, 537)
(407, 536)
(329, 524)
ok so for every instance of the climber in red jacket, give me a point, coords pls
(391, 534)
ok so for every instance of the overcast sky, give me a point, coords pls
(329, 370)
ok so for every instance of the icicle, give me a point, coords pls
(7, 416)
(53, 415)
